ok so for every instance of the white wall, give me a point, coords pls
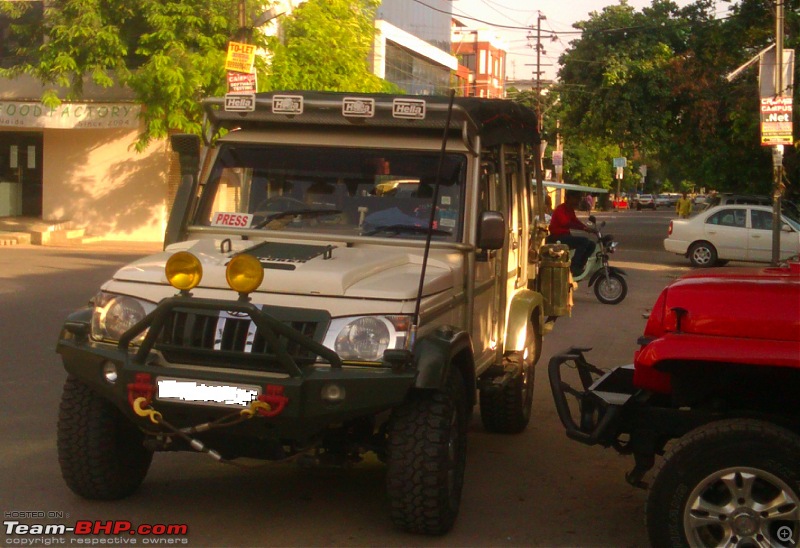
(95, 179)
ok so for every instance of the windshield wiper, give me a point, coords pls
(407, 228)
(293, 212)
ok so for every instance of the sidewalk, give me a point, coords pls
(27, 231)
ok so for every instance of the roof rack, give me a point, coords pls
(496, 121)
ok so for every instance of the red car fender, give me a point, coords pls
(682, 347)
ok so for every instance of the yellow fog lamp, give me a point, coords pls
(184, 271)
(244, 273)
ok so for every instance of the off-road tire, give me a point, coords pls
(427, 450)
(508, 410)
(100, 452)
(702, 255)
(719, 446)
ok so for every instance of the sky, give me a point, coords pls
(560, 15)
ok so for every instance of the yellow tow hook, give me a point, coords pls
(255, 407)
(154, 416)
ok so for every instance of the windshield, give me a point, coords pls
(367, 192)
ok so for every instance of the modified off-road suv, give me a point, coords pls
(353, 271)
(715, 388)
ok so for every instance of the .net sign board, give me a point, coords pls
(776, 121)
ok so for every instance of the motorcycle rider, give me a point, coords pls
(564, 220)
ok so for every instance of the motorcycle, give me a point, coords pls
(609, 285)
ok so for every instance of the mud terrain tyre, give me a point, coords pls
(731, 482)
(99, 450)
(427, 450)
(508, 410)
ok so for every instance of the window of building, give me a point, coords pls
(414, 74)
(468, 60)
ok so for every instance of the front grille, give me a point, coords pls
(221, 339)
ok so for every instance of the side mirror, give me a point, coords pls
(786, 227)
(592, 219)
(491, 230)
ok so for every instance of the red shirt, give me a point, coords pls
(563, 219)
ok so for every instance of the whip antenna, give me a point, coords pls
(432, 218)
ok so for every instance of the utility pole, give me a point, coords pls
(539, 68)
(777, 151)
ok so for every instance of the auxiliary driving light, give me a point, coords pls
(244, 273)
(333, 393)
(184, 271)
(110, 372)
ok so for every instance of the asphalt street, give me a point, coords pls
(533, 489)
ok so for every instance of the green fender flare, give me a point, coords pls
(522, 308)
(437, 352)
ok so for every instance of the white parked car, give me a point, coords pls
(731, 233)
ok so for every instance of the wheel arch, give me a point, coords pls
(526, 306)
(436, 353)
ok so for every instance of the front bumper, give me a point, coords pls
(602, 402)
(368, 389)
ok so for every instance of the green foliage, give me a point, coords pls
(653, 83)
(171, 53)
(324, 46)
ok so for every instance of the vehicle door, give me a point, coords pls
(759, 241)
(727, 231)
(488, 276)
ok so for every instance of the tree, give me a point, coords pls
(171, 53)
(653, 82)
(324, 46)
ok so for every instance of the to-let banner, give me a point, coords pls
(241, 57)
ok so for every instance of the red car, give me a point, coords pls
(715, 389)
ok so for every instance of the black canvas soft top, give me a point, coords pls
(497, 121)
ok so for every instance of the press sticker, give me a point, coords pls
(232, 220)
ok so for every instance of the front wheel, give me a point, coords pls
(427, 452)
(507, 410)
(100, 452)
(611, 289)
(728, 483)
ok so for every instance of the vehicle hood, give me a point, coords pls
(303, 268)
(755, 303)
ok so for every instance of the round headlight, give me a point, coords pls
(363, 339)
(244, 273)
(120, 315)
(184, 271)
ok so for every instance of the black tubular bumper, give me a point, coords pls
(602, 400)
(297, 375)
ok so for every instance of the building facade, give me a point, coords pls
(481, 55)
(412, 46)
